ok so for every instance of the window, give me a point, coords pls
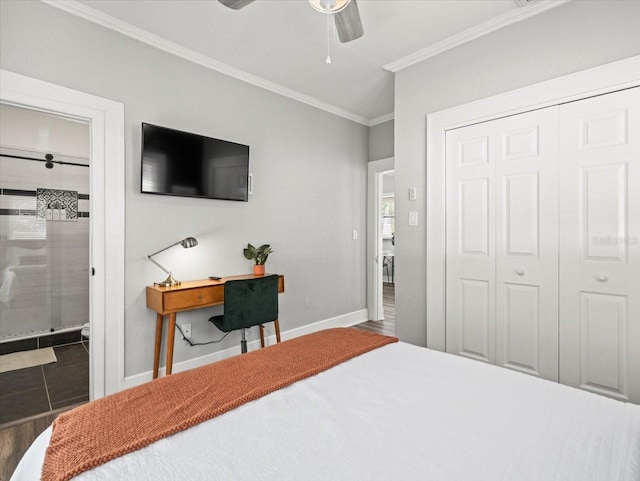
(388, 217)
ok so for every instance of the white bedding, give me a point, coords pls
(397, 413)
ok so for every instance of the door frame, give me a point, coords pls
(106, 123)
(588, 83)
(375, 171)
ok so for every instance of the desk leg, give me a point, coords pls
(156, 354)
(171, 334)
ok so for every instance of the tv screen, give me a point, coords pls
(190, 165)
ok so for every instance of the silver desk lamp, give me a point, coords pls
(170, 281)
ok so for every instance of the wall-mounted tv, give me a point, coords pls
(189, 165)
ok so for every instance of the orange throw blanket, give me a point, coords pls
(95, 433)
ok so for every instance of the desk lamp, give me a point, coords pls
(170, 281)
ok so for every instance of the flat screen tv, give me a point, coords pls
(189, 165)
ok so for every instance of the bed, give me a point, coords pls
(397, 412)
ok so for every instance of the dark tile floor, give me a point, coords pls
(36, 390)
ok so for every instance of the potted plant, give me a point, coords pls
(259, 255)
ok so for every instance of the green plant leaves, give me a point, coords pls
(259, 255)
(249, 252)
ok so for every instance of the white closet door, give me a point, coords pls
(471, 260)
(527, 243)
(600, 244)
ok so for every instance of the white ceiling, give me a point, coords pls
(283, 42)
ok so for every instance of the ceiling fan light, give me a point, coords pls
(329, 6)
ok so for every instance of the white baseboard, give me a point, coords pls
(344, 320)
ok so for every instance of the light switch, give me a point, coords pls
(412, 193)
(413, 218)
(354, 234)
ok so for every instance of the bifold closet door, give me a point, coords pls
(471, 262)
(527, 243)
(502, 242)
(600, 244)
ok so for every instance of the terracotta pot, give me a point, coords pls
(258, 270)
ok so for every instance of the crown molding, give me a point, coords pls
(472, 33)
(81, 10)
(380, 120)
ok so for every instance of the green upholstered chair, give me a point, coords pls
(248, 303)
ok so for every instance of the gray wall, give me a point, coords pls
(567, 39)
(310, 189)
(381, 141)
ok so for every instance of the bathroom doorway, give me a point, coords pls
(44, 262)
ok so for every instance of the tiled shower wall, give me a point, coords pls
(44, 264)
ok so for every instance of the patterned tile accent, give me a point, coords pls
(63, 201)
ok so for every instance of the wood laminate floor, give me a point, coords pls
(15, 439)
(388, 325)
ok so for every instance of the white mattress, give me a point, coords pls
(397, 413)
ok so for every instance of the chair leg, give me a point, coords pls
(261, 335)
(243, 342)
(277, 324)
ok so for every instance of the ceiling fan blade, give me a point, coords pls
(236, 4)
(348, 23)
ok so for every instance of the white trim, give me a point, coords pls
(595, 81)
(381, 120)
(83, 11)
(106, 121)
(345, 320)
(472, 33)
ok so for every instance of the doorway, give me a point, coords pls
(381, 246)
(44, 262)
(105, 119)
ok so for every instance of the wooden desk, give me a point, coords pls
(168, 301)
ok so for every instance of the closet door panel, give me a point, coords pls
(470, 302)
(474, 217)
(600, 244)
(603, 212)
(476, 330)
(521, 341)
(527, 243)
(603, 355)
(521, 215)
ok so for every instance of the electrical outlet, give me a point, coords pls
(186, 330)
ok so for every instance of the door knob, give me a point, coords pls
(602, 278)
(520, 272)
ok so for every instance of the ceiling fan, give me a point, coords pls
(345, 14)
